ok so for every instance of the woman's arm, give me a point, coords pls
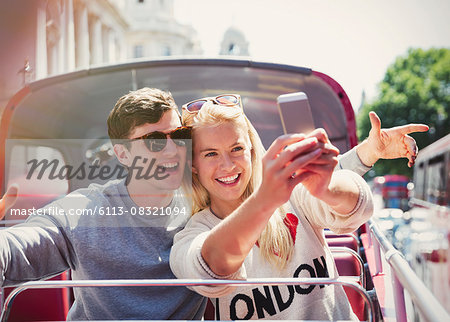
(229, 243)
(209, 247)
(334, 188)
(186, 260)
(342, 200)
(321, 215)
(341, 194)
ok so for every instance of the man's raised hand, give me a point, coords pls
(391, 143)
(8, 200)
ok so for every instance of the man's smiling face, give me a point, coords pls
(169, 162)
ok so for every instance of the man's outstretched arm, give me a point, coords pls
(32, 250)
(391, 143)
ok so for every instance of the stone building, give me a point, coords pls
(42, 38)
(50, 37)
(234, 43)
(155, 32)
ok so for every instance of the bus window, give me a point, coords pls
(432, 173)
(419, 181)
(435, 190)
(447, 174)
(35, 189)
(393, 189)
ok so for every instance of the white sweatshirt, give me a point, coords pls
(311, 258)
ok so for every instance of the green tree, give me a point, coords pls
(415, 89)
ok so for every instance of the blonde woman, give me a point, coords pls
(261, 214)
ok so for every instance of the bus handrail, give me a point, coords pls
(351, 235)
(12, 221)
(427, 204)
(422, 297)
(345, 281)
(340, 249)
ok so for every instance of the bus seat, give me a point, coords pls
(331, 234)
(362, 229)
(40, 304)
(348, 265)
(344, 241)
(209, 314)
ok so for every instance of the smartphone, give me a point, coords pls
(295, 113)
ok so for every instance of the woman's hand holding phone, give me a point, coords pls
(297, 158)
(287, 153)
(320, 170)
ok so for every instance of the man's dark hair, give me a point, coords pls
(145, 105)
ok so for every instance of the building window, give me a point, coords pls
(166, 51)
(20, 165)
(138, 51)
(234, 49)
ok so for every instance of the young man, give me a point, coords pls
(130, 246)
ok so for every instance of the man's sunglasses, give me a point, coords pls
(224, 99)
(157, 141)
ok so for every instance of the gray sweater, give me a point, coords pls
(94, 245)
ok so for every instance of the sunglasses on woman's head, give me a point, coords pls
(157, 141)
(224, 100)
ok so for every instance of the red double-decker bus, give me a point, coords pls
(394, 190)
(63, 118)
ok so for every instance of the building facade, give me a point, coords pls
(42, 38)
(155, 32)
(234, 43)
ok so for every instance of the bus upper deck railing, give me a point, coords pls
(405, 278)
(402, 274)
(11, 222)
(429, 205)
(345, 281)
(346, 250)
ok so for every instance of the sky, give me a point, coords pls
(352, 41)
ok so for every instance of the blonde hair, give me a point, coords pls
(275, 242)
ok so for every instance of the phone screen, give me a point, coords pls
(295, 113)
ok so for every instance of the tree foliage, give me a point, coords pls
(415, 89)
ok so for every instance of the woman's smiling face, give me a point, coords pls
(222, 162)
